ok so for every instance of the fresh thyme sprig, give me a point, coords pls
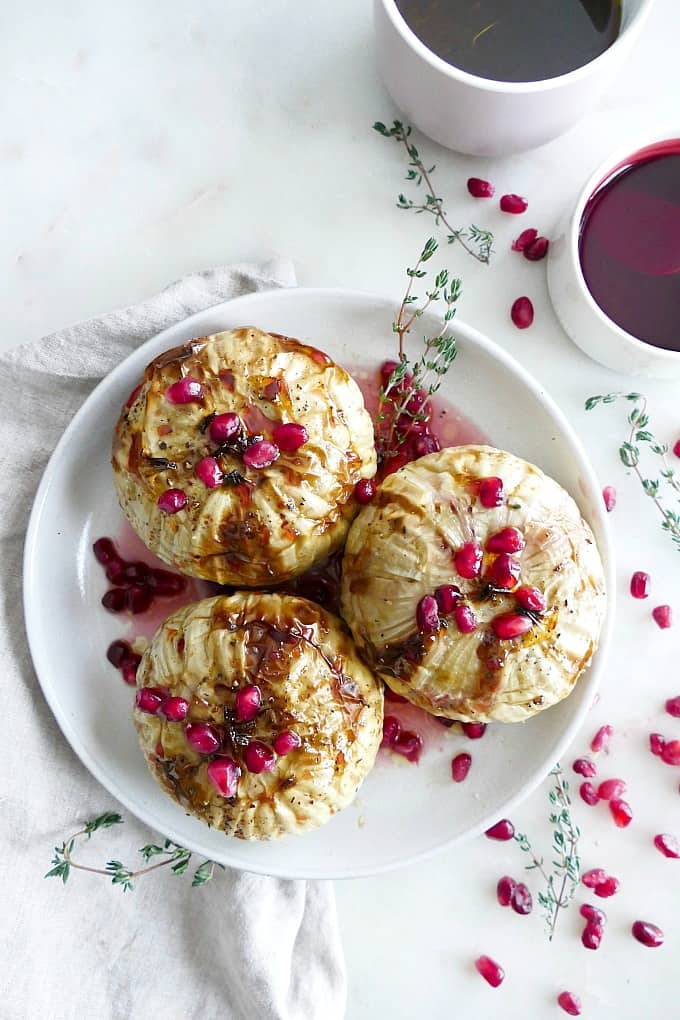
(173, 854)
(562, 881)
(477, 243)
(629, 452)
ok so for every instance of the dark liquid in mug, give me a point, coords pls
(514, 40)
(629, 247)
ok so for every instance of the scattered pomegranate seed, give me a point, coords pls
(460, 766)
(673, 707)
(593, 914)
(608, 888)
(104, 551)
(172, 501)
(365, 490)
(114, 600)
(185, 391)
(175, 709)
(491, 492)
(286, 742)
(507, 626)
(537, 250)
(521, 900)
(676, 448)
(570, 1003)
(427, 615)
(479, 188)
(210, 472)
(261, 454)
(610, 789)
(503, 830)
(585, 767)
(522, 312)
(504, 890)
(639, 585)
(138, 599)
(224, 427)
(531, 598)
(447, 597)
(129, 668)
(164, 583)
(468, 560)
(247, 702)
(509, 540)
(648, 934)
(513, 204)
(588, 793)
(391, 730)
(504, 572)
(656, 744)
(591, 937)
(149, 699)
(386, 370)
(601, 740)
(465, 619)
(609, 497)
(136, 573)
(473, 730)
(670, 752)
(409, 745)
(202, 737)
(258, 757)
(596, 876)
(621, 812)
(290, 436)
(663, 616)
(492, 973)
(424, 445)
(117, 652)
(115, 570)
(224, 775)
(669, 846)
(526, 238)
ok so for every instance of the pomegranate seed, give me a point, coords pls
(621, 812)
(526, 238)
(656, 744)
(175, 709)
(133, 396)
(427, 615)
(386, 370)
(290, 436)
(663, 616)
(492, 973)
(531, 598)
(522, 312)
(209, 472)
(480, 188)
(185, 391)
(117, 652)
(591, 937)
(149, 699)
(465, 619)
(537, 250)
(129, 669)
(138, 599)
(503, 830)
(391, 730)
(596, 876)
(504, 572)
(425, 445)
(248, 701)
(507, 626)
(673, 707)
(609, 497)
(593, 914)
(509, 540)
(224, 427)
(224, 775)
(608, 888)
(165, 583)
(115, 569)
(521, 901)
(286, 742)
(104, 551)
(504, 890)
(258, 757)
(670, 753)
(202, 737)
(447, 597)
(676, 448)
(648, 934)
(172, 501)
(460, 766)
(611, 789)
(513, 204)
(468, 560)
(491, 492)
(365, 490)
(601, 740)
(136, 573)
(114, 600)
(588, 793)
(409, 745)
(474, 730)
(585, 767)
(639, 585)
(261, 454)
(570, 1003)
(669, 846)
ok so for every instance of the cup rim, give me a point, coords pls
(635, 146)
(508, 87)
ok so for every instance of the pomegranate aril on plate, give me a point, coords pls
(593, 914)
(409, 745)
(447, 597)
(591, 937)
(185, 391)
(202, 737)
(663, 617)
(504, 890)
(104, 551)
(676, 448)
(464, 618)
(537, 250)
(502, 831)
(596, 876)
(509, 540)
(621, 812)
(507, 626)
(115, 570)
(258, 757)
(610, 789)
(261, 454)
(175, 709)
(504, 572)
(129, 669)
(491, 971)
(460, 766)
(585, 767)
(639, 585)
(656, 744)
(608, 888)
(114, 600)
(286, 742)
(172, 501)
(522, 312)
(526, 238)
(670, 752)
(648, 934)
(673, 707)
(588, 793)
(479, 188)
(247, 703)
(609, 497)
(668, 845)
(468, 560)
(427, 615)
(521, 900)
(423, 445)
(290, 436)
(601, 740)
(224, 775)
(473, 730)
(365, 490)
(136, 573)
(391, 730)
(570, 1003)
(491, 492)
(209, 472)
(117, 652)
(149, 699)
(224, 427)
(513, 204)
(165, 583)
(138, 599)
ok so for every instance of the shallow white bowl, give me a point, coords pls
(582, 318)
(491, 118)
(402, 813)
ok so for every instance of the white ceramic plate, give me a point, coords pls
(404, 812)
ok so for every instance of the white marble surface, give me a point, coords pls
(141, 141)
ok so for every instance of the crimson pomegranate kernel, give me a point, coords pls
(668, 845)
(117, 652)
(365, 490)
(591, 936)
(427, 615)
(137, 599)
(258, 757)
(224, 427)
(286, 742)
(261, 454)
(491, 971)
(172, 501)
(104, 551)
(468, 560)
(175, 709)
(424, 445)
(185, 391)
(464, 618)
(502, 831)
(609, 497)
(447, 597)
(522, 312)
(491, 492)
(508, 540)
(473, 730)
(673, 707)
(165, 584)
(593, 914)
(409, 745)
(391, 730)
(531, 598)
(656, 744)
(210, 472)
(602, 739)
(480, 188)
(224, 775)
(526, 238)
(507, 626)
(504, 890)
(114, 600)
(504, 572)
(676, 448)
(570, 1003)
(610, 789)
(670, 752)
(290, 436)
(135, 573)
(115, 569)
(460, 766)
(513, 204)
(149, 699)
(129, 668)
(608, 888)
(639, 585)
(588, 793)
(521, 900)
(647, 933)
(585, 767)
(663, 616)
(621, 812)
(594, 877)
(247, 702)
(537, 250)
(202, 737)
